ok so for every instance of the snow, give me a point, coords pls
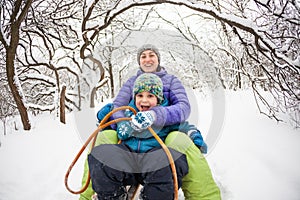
(253, 158)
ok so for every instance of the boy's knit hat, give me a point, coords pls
(148, 82)
(147, 47)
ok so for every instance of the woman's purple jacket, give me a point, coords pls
(179, 109)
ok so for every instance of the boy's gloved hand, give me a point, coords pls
(104, 111)
(198, 141)
(124, 130)
(142, 120)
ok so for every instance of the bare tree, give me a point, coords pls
(107, 47)
(268, 52)
(263, 41)
(258, 45)
(62, 105)
(48, 45)
(45, 52)
(12, 14)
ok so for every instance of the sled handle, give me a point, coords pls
(103, 124)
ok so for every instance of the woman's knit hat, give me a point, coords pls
(148, 82)
(147, 47)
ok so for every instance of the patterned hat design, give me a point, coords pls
(149, 82)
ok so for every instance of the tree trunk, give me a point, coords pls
(4, 125)
(11, 77)
(92, 100)
(62, 106)
(112, 86)
(17, 17)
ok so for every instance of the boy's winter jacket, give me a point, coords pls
(142, 142)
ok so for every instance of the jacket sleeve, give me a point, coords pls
(123, 97)
(179, 109)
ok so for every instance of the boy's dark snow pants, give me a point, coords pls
(114, 166)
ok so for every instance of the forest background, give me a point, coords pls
(59, 56)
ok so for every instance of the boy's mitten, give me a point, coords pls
(142, 120)
(124, 130)
(103, 112)
(198, 141)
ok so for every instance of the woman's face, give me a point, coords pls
(145, 100)
(149, 61)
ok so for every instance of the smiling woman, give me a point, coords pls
(148, 58)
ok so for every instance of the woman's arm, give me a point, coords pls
(123, 97)
(179, 109)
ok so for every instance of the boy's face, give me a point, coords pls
(148, 61)
(145, 100)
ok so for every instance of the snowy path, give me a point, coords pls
(255, 158)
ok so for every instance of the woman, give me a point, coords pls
(198, 183)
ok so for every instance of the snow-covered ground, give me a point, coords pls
(253, 157)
